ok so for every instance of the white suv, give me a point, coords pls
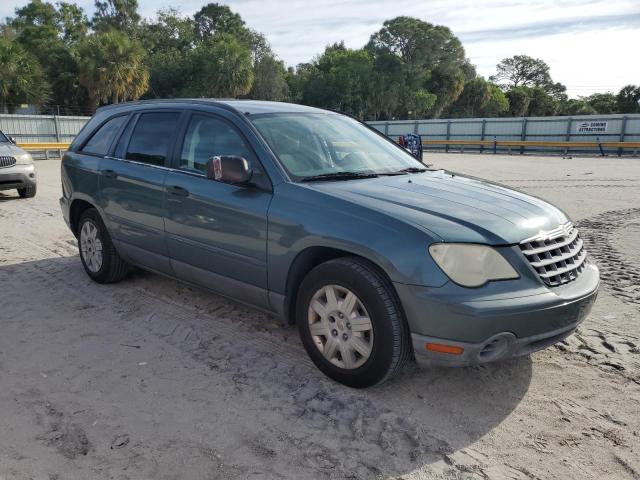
(16, 168)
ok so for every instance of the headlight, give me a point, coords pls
(471, 265)
(24, 158)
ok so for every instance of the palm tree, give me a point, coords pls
(21, 77)
(112, 68)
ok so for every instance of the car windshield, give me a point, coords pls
(327, 145)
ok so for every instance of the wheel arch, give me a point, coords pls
(307, 260)
(78, 206)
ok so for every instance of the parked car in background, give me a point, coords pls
(316, 218)
(17, 170)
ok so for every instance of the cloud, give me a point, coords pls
(553, 27)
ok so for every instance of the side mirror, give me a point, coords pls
(229, 169)
(12, 140)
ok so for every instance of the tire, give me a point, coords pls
(388, 339)
(110, 267)
(27, 192)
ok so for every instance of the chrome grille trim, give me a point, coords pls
(7, 162)
(558, 256)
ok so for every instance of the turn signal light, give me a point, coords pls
(439, 347)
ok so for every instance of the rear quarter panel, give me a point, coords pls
(80, 179)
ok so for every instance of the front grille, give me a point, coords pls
(558, 255)
(7, 162)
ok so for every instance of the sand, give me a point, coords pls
(151, 379)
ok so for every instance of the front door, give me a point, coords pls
(216, 232)
(132, 188)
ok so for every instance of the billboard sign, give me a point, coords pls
(597, 126)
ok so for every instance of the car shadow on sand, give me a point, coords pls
(6, 195)
(293, 418)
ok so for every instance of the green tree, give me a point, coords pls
(73, 23)
(541, 103)
(498, 104)
(270, 82)
(168, 31)
(214, 19)
(339, 80)
(433, 61)
(628, 99)
(522, 71)
(386, 87)
(297, 79)
(51, 35)
(119, 15)
(480, 99)
(221, 67)
(112, 68)
(22, 79)
(37, 28)
(447, 83)
(422, 103)
(602, 102)
(519, 100)
(419, 44)
(574, 106)
(169, 40)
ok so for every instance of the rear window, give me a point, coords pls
(152, 137)
(100, 141)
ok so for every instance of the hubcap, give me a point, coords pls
(91, 246)
(340, 326)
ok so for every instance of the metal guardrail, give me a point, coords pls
(46, 148)
(509, 144)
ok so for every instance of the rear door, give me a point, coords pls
(216, 232)
(132, 187)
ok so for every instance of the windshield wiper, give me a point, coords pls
(404, 171)
(337, 176)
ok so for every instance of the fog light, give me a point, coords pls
(440, 348)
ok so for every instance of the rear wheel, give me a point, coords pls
(99, 257)
(351, 324)
(27, 192)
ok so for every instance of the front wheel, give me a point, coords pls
(27, 192)
(99, 257)
(351, 324)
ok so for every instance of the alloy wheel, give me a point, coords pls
(91, 246)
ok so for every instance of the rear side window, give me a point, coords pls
(152, 137)
(207, 137)
(100, 141)
(121, 146)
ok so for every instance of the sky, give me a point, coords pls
(590, 45)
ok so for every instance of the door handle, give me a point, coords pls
(179, 191)
(109, 173)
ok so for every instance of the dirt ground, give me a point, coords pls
(150, 379)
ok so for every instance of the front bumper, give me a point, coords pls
(17, 176)
(487, 330)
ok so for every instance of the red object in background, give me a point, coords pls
(401, 141)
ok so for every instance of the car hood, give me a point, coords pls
(453, 207)
(10, 149)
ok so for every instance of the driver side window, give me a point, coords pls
(207, 137)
